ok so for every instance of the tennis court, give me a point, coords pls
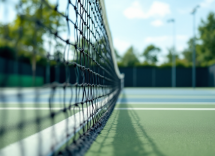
(59, 78)
(36, 120)
(62, 87)
(160, 121)
(145, 121)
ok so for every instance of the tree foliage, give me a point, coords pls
(206, 51)
(129, 59)
(25, 36)
(170, 55)
(150, 54)
(204, 45)
(188, 51)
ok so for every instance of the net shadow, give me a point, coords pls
(124, 135)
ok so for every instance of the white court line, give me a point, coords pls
(167, 103)
(34, 108)
(46, 108)
(30, 108)
(49, 143)
(121, 103)
(184, 109)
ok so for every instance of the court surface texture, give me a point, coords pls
(145, 121)
(160, 122)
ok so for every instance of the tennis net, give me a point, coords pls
(58, 76)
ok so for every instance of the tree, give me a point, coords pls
(178, 62)
(169, 55)
(204, 45)
(27, 33)
(206, 51)
(129, 59)
(150, 54)
(188, 52)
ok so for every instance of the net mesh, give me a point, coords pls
(58, 76)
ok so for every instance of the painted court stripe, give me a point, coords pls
(167, 103)
(58, 108)
(32, 143)
(182, 109)
(29, 108)
(130, 102)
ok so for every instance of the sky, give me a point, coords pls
(139, 23)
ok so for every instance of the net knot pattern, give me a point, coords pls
(58, 75)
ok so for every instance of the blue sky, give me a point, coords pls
(143, 22)
(140, 23)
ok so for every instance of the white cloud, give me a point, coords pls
(206, 3)
(165, 38)
(180, 48)
(157, 9)
(135, 11)
(156, 39)
(157, 23)
(121, 45)
(203, 4)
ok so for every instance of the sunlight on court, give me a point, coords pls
(160, 122)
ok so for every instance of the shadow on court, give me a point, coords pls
(123, 135)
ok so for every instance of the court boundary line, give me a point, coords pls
(119, 103)
(167, 103)
(166, 109)
(33, 108)
(46, 108)
(32, 142)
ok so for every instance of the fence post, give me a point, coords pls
(153, 77)
(134, 76)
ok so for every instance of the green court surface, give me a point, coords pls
(151, 122)
(139, 132)
(159, 132)
(165, 106)
(13, 117)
